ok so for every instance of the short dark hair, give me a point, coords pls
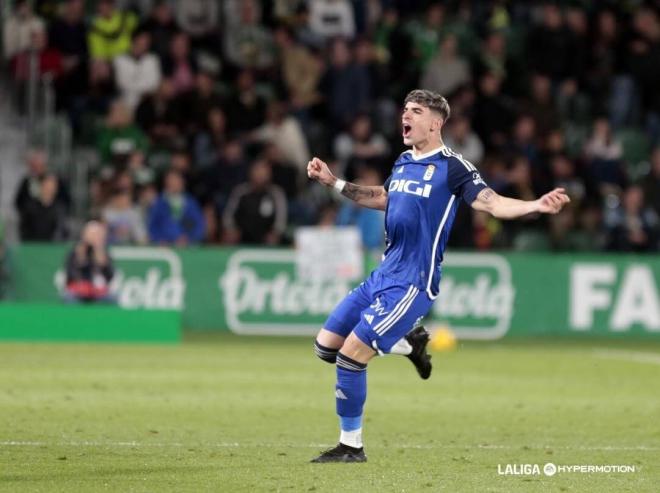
(430, 99)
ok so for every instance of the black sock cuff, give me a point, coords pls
(325, 353)
(349, 364)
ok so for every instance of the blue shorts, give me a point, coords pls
(380, 311)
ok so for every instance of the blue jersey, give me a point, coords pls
(424, 193)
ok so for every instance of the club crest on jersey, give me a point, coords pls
(430, 169)
(410, 186)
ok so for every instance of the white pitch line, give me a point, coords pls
(625, 355)
(85, 443)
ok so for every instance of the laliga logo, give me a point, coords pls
(410, 186)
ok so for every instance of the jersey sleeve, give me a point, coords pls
(386, 185)
(464, 180)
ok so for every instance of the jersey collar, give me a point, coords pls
(417, 157)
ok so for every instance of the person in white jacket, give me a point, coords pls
(137, 72)
(18, 28)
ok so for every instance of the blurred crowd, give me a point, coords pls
(204, 113)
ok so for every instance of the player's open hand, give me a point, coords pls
(552, 202)
(319, 171)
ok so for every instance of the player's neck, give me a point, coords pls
(426, 149)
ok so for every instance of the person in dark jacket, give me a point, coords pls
(257, 210)
(44, 218)
(89, 268)
(176, 217)
(30, 193)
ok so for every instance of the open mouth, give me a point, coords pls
(406, 129)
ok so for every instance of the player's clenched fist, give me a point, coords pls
(552, 202)
(318, 170)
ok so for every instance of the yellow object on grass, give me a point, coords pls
(442, 339)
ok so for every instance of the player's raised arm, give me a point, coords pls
(372, 197)
(506, 208)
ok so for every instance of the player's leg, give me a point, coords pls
(393, 301)
(350, 396)
(341, 322)
(413, 346)
(327, 344)
(392, 335)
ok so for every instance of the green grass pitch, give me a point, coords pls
(225, 413)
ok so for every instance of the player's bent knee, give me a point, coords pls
(357, 350)
(327, 354)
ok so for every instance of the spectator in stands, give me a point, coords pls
(643, 56)
(119, 137)
(632, 226)
(44, 218)
(180, 65)
(577, 25)
(247, 43)
(565, 175)
(301, 70)
(68, 35)
(49, 59)
(331, 18)
(550, 44)
(518, 186)
(137, 73)
(651, 183)
(603, 145)
(493, 112)
(162, 27)
(198, 102)
(209, 140)
(360, 147)
(604, 154)
(541, 106)
(30, 189)
(369, 221)
(217, 181)
(101, 91)
(89, 268)
(257, 210)
(303, 31)
(285, 132)
(460, 137)
(493, 58)
(247, 109)
(159, 115)
(18, 28)
(181, 161)
(175, 218)
(447, 70)
(523, 139)
(393, 44)
(426, 35)
(347, 86)
(124, 222)
(605, 60)
(110, 31)
(199, 19)
(285, 174)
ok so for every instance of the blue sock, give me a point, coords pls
(350, 393)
